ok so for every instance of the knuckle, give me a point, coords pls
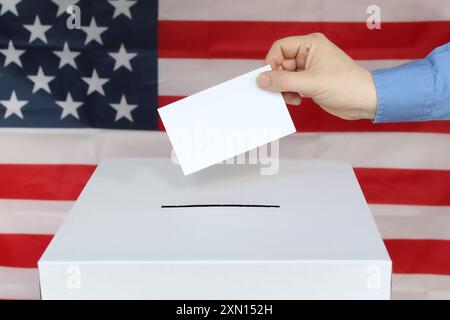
(319, 36)
(277, 42)
(285, 40)
(290, 38)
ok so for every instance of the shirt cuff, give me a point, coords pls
(405, 93)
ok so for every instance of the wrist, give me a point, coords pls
(369, 97)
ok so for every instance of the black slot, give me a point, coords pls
(220, 206)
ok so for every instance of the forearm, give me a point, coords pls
(416, 91)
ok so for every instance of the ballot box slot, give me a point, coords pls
(216, 205)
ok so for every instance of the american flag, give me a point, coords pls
(69, 97)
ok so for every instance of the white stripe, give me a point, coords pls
(88, 146)
(394, 221)
(302, 10)
(78, 146)
(183, 77)
(17, 283)
(421, 287)
(32, 217)
(372, 150)
(412, 222)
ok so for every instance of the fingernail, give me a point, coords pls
(263, 80)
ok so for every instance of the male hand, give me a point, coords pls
(312, 66)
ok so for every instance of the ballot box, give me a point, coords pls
(142, 230)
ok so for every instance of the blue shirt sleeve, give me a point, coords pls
(416, 91)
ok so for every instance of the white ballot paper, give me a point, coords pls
(224, 121)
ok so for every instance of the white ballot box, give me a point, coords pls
(143, 230)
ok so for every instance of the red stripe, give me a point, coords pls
(251, 40)
(408, 256)
(22, 251)
(387, 186)
(41, 182)
(405, 186)
(309, 117)
(419, 256)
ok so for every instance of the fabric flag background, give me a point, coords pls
(71, 97)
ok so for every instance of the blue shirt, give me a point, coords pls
(416, 91)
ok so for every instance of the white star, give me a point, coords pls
(63, 5)
(95, 83)
(122, 7)
(12, 55)
(67, 56)
(94, 32)
(69, 107)
(41, 81)
(124, 109)
(13, 106)
(122, 58)
(37, 30)
(9, 5)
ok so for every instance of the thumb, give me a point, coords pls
(286, 81)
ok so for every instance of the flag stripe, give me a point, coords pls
(43, 182)
(22, 250)
(380, 186)
(251, 40)
(302, 10)
(412, 222)
(18, 283)
(404, 186)
(413, 256)
(80, 146)
(32, 217)
(309, 117)
(181, 77)
(409, 256)
(420, 287)
(393, 221)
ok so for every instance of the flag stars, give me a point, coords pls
(95, 83)
(69, 107)
(123, 109)
(13, 106)
(66, 56)
(41, 81)
(122, 7)
(122, 58)
(12, 55)
(93, 32)
(9, 5)
(37, 30)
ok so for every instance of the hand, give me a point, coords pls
(312, 66)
